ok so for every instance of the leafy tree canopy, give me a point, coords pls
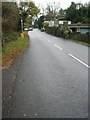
(78, 13)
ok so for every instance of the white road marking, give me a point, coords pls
(36, 114)
(57, 46)
(24, 115)
(49, 41)
(79, 60)
(70, 55)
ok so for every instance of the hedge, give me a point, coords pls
(56, 31)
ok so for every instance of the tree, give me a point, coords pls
(0, 24)
(32, 9)
(53, 7)
(10, 20)
(40, 22)
(50, 16)
(88, 13)
(78, 13)
(28, 9)
(9, 16)
(53, 10)
(71, 12)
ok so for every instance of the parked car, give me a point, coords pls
(30, 29)
(26, 29)
(42, 29)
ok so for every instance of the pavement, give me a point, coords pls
(51, 79)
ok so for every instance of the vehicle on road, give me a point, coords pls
(26, 29)
(42, 29)
(30, 29)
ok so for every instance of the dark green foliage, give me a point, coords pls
(10, 21)
(9, 16)
(80, 37)
(78, 13)
(40, 22)
(45, 25)
(27, 11)
(71, 12)
(85, 38)
(88, 14)
(32, 9)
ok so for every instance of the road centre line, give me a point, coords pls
(79, 60)
(49, 41)
(57, 46)
(70, 55)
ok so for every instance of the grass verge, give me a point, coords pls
(12, 49)
(83, 43)
(80, 42)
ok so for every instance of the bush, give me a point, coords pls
(67, 34)
(10, 21)
(80, 37)
(45, 24)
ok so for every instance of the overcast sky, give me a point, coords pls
(63, 3)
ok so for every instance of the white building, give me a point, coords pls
(56, 23)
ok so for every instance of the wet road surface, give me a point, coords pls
(52, 79)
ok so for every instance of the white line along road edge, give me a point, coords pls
(79, 60)
(57, 46)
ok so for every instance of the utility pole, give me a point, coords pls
(21, 20)
(21, 25)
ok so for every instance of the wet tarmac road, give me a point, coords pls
(52, 79)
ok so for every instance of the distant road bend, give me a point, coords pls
(52, 80)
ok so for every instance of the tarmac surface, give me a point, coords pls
(50, 79)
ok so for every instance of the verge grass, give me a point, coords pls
(83, 43)
(13, 49)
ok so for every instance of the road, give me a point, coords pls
(52, 79)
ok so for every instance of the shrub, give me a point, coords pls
(45, 24)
